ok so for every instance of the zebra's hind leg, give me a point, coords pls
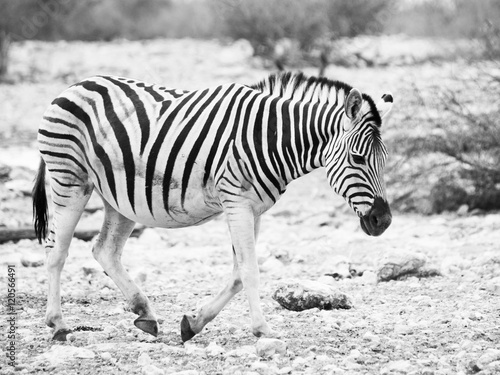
(190, 326)
(69, 203)
(107, 251)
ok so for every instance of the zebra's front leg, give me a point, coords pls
(107, 251)
(243, 226)
(190, 326)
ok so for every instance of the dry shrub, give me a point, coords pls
(458, 161)
(264, 23)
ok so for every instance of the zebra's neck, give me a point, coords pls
(297, 135)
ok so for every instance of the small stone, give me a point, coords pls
(59, 354)
(299, 295)
(333, 370)
(272, 265)
(369, 336)
(192, 349)
(403, 329)
(91, 269)
(354, 355)
(110, 331)
(32, 260)
(401, 367)
(346, 326)
(267, 347)
(106, 356)
(264, 368)
(186, 372)
(116, 310)
(124, 324)
(300, 362)
(489, 356)
(396, 264)
(493, 285)
(144, 359)
(462, 210)
(214, 350)
(151, 370)
(285, 370)
(243, 351)
(369, 278)
(339, 268)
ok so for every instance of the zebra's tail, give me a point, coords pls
(40, 208)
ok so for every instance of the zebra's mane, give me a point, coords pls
(291, 85)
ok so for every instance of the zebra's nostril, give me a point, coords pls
(374, 220)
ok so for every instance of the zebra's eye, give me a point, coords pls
(358, 159)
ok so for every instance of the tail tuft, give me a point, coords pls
(40, 208)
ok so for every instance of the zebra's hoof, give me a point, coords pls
(61, 335)
(186, 332)
(148, 326)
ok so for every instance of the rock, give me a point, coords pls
(115, 310)
(299, 295)
(493, 285)
(300, 362)
(264, 368)
(4, 172)
(369, 278)
(106, 356)
(59, 354)
(124, 324)
(462, 210)
(369, 336)
(491, 355)
(272, 265)
(151, 370)
(333, 370)
(267, 347)
(91, 270)
(285, 370)
(397, 264)
(186, 372)
(214, 350)
(339, 268)
(144, 359)
(242, 351)
(399, 367)
(192, 349)
(402, 329)
(32, 260)
(454, 264)
(353, 356)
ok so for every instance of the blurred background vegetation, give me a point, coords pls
(461, 128)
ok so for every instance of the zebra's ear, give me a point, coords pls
(384, 106)
(352, 105)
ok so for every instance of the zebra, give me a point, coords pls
(172, 158)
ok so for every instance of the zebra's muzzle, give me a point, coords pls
(378, 219)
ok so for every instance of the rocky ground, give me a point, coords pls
(425, 296)
(442, 319)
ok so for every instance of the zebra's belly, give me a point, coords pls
(177, 209)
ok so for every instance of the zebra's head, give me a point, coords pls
(355, 160)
